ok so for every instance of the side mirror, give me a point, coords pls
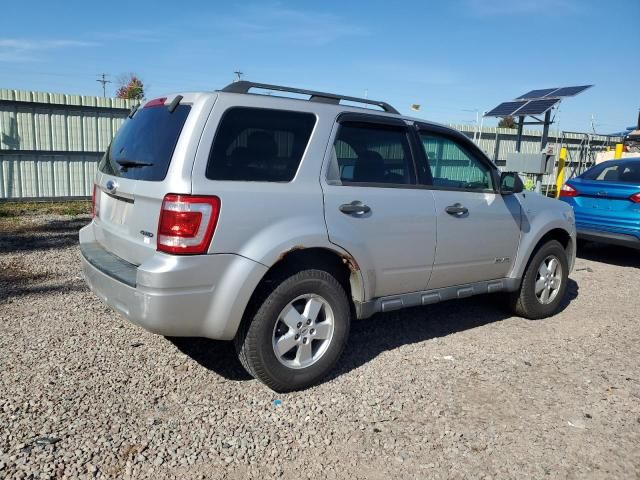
(510, 182)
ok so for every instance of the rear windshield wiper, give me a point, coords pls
(132, 163)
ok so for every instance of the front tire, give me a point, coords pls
(297, 331)
(544, 283)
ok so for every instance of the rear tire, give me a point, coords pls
(544, 283)
(295, 332)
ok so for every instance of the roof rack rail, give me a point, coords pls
(244, 86)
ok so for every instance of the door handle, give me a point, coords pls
(354, 208)
(457, 210)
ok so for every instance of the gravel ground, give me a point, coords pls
(456, 390)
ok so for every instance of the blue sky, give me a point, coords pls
(452, 57)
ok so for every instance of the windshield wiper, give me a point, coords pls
(132, 164)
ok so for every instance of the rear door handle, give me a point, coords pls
(354, 208)
(457, 210)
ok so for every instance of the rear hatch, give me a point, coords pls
(151, 155)
(607, 197)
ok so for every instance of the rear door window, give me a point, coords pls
(371, 153)
(143, 147)
(259, 145)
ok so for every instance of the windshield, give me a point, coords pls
(625, 171)
(143, 147)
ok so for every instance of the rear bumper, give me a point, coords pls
(605, 236)
(192, 296)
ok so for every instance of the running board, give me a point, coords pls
(428, 297)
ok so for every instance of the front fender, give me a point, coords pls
(541, 215)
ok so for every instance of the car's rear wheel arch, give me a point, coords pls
(341, 266)
(326, 274)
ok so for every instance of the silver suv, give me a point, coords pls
(274, 221)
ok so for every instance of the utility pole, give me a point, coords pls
(103, 80)
(238, 75)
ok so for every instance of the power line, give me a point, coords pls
(103, 80)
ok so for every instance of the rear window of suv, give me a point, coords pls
(143, 147)
(259, 145)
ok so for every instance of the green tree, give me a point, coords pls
(507, 122)
(131, 88)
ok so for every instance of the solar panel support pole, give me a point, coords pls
(545, 130)
(543, 144)
(519, 135)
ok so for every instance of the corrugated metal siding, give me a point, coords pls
(504, 140)
(38, 121)
(50, 143)
(497, 143)
(47, 176)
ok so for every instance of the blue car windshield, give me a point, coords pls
(625, 171)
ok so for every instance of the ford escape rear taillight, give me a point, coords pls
(187, 223)
(95, 201)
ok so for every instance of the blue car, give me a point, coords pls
(606, 202)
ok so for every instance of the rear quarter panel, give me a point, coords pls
(264, 220)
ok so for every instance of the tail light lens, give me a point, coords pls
(635, 198)
(187, 223)
(568, 191)
(95, 201)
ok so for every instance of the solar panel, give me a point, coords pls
(537, 93)
(535, 102)
(505, 109)
(569, 91)
(537, 107)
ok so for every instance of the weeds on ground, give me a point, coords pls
(18, 216)
(20, 209)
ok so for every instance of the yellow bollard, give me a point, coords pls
(618, 153)
(560, 178)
